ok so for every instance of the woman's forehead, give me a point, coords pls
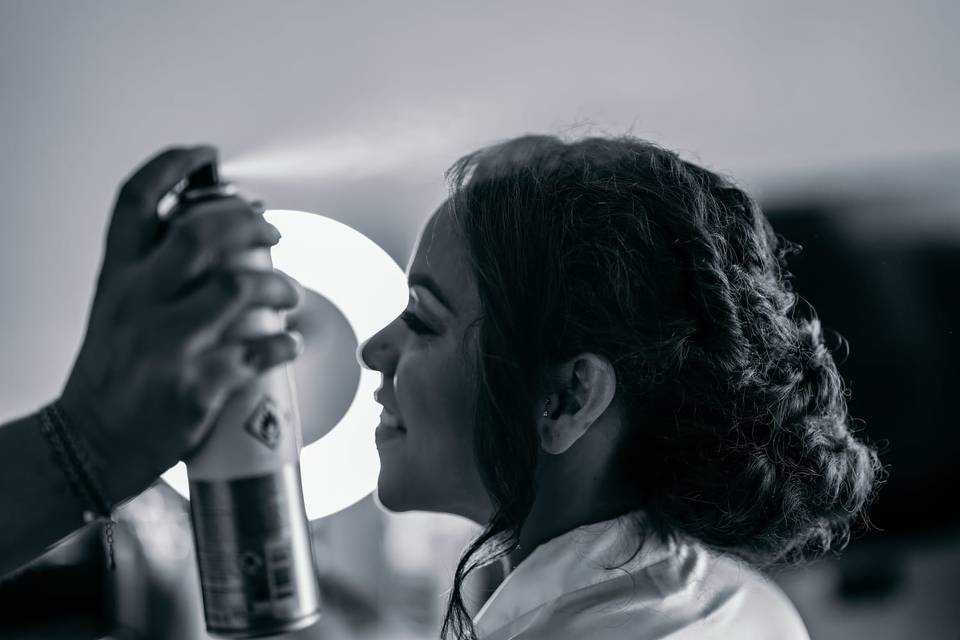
(441, 253)
(434, 244)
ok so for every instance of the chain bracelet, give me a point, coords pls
(81, 455)
(74, 460)
(108, 537)
(52, 436)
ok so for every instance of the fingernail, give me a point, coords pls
(298, 342)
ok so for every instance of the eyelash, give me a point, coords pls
(414, 323)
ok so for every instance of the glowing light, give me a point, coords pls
(368, 287)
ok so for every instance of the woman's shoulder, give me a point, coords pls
(689, 593)
(586, 584)
(721, 596)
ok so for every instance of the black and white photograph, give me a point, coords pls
(504, 320)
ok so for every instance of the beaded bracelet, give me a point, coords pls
(74, 460)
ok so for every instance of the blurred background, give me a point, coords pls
(840, 117)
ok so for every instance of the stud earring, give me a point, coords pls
(546, 412)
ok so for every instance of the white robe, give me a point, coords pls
(561, 591)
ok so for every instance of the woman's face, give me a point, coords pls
(429, 385)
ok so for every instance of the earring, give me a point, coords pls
(546, 412)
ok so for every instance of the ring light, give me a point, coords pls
(368, 287)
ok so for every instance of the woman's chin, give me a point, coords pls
(388, 499)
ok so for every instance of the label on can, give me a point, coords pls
(249, 583)
(254, 552)
(256, 432)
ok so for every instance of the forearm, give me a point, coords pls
(37, 506)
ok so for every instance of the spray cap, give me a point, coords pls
(205, 183)
(206, 176)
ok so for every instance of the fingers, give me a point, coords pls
(261, 354)
(134, 225)
(221, 370)
(197, 239)
(201, 317)
(293, 282)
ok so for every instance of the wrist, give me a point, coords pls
(120, 474)
(78, 462)
(72, 457)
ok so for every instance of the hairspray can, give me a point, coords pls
(246, 499)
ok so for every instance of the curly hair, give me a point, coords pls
(737, 433)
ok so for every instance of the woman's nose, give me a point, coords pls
(376, 351)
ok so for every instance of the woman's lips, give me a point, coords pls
(389, 428)
(387, 432)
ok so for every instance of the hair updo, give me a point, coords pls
(737, 432)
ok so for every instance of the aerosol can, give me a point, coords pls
(246, 499)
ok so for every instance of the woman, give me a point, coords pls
(601, 363)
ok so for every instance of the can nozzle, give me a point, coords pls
(205, 183)
(206, 176)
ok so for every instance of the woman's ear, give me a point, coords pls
(587, 385)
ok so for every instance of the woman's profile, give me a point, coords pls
(603, 363)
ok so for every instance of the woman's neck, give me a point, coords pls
(563, 509)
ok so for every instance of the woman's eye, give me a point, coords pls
(414, 323)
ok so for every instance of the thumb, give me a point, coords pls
(134, 226)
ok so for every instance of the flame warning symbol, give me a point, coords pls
(263, 424)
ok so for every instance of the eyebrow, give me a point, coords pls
(428, 283)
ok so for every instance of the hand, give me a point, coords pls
(156, 366)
